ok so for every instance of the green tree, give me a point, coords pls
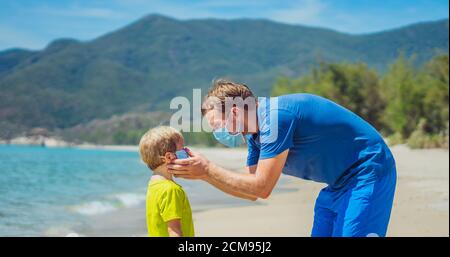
(354, 86)
(402, 91)
(436, 100)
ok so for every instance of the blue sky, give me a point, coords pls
(33, 24)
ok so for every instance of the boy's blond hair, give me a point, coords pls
(156, 142)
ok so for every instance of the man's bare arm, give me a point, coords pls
(251, 169)
(227, 190)
(259, 184)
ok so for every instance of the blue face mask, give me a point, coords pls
(231, 140)
(181, 154)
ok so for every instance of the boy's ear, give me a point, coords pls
(168, 157)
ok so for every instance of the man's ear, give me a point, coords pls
(234, 110)
(235, 116)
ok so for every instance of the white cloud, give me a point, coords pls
(82, 12)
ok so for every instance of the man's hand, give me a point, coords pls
(195, 167)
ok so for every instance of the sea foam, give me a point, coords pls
(111, 203)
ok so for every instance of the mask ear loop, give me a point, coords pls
(239, 125)
(238, 128)
(241, 129)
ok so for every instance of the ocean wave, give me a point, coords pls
(130, 199)
(93, 208)
(109, 204)
(61, 231)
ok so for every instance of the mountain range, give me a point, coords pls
(140, 67)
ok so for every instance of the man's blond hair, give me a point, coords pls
(221, 90)
(156, 142)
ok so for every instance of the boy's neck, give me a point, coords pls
(162, 171)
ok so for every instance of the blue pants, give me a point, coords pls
(359, 210)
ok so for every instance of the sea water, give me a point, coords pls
(43, 188)
(59, 191)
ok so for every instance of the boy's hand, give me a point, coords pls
(196, 167)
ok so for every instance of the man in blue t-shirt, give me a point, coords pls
(309, 137)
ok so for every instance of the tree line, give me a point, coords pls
(407, 104)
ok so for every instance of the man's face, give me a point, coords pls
(216, 119)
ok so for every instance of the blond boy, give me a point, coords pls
(168, 211)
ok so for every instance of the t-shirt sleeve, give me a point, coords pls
(277, 134)
(171, 205)
(253, 152)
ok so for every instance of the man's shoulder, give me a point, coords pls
(289, 104)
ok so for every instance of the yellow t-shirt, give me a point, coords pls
(166, 201)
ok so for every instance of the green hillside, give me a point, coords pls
(140, 67)
(11, 58)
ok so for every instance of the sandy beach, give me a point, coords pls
(421, 205)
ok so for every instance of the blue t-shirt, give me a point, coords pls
(327, 142)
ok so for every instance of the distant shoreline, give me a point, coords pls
(131, 148)
(53, 142)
